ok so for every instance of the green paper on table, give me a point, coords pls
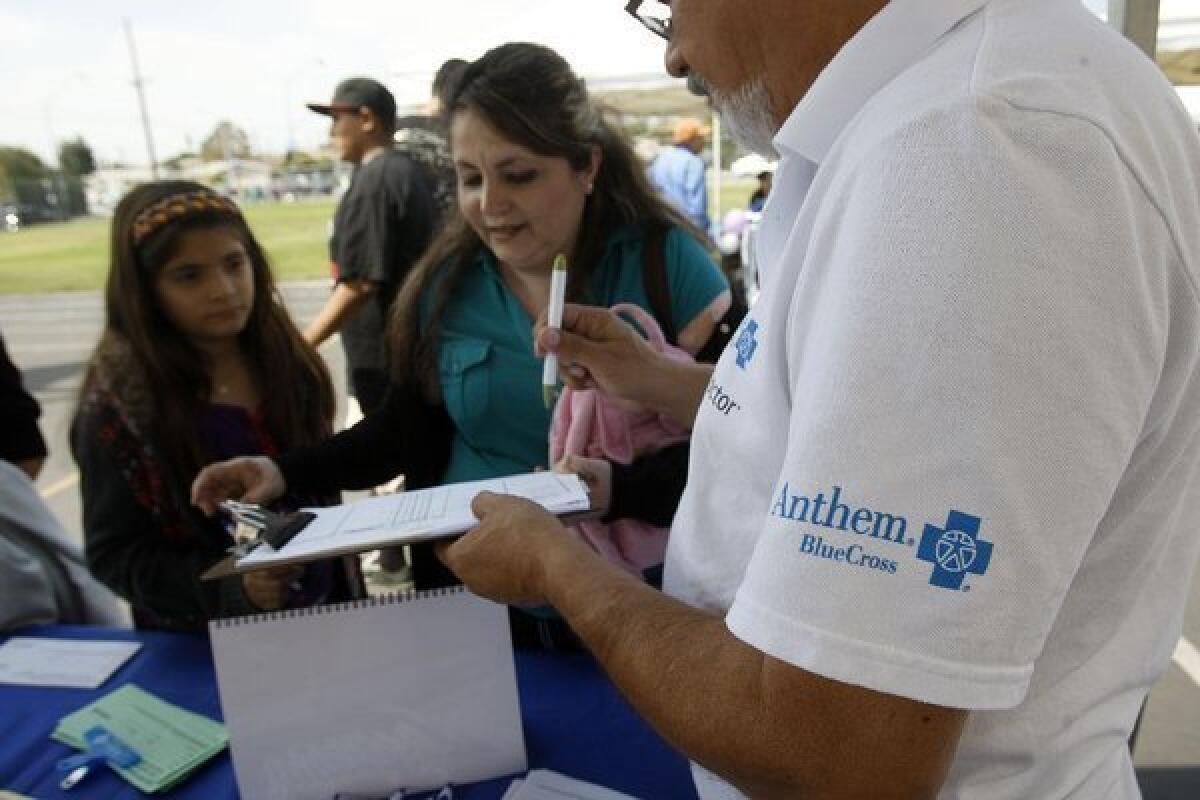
(171, 741)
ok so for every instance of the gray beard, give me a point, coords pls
(745, 113)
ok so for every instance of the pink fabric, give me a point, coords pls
(588, 423)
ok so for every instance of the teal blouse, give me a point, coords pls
(492, 382)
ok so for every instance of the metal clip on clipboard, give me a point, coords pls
(269, 527)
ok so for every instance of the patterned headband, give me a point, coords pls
(175, 206)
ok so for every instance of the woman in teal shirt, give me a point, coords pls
(488, 376)
(540, 173)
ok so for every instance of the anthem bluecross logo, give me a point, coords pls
(954, 551)
(746, 344)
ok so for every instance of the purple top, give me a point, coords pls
(230, 431)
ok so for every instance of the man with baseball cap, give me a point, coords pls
(678, 172)
(382, 226)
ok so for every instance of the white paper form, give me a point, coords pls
(418, 515)
(74, 663)
(544, 784)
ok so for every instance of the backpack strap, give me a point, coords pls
(654, 279)
(645, 321)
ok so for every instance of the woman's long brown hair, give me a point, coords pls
(296, 393)
(529, 94)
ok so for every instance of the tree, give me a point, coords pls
(298, 159)
(226, 141)
(75, 157)
(176, 162)
(75, 160)
(24, 179)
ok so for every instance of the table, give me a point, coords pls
(575, 722)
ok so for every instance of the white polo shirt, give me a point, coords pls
(955, 453)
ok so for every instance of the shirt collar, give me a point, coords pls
(889, 43)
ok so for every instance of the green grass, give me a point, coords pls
(74, 255)
(735, 193)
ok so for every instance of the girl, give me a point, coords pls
(195, 342)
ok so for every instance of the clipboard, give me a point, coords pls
(420, 515)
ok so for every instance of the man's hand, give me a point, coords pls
(598, 350)
(505, 557)
(251, 479)
(268, 589)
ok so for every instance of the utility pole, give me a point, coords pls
(137, 84)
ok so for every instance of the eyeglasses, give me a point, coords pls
(657, 20)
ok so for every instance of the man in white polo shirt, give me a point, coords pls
(940, 517)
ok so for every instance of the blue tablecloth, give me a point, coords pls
(575, 723)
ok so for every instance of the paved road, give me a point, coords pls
(50, 337)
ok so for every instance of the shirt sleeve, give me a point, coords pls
(977, 356)
(694, 278)
(649, 488)
(387, 224)
(406, 435)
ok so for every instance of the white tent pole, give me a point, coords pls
(1138, 20)
(716, 151)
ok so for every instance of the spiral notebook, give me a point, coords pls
(409, 691)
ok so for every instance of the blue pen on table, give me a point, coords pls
(103, 746)
(558, 297)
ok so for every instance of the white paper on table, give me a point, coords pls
(418, 515)
(74, 663)
(544, 784)
(415, 690)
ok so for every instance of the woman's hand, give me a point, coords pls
(596, 473)
(251, 479)
(268, 589)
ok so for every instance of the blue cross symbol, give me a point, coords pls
(954, 551)
(746, 345)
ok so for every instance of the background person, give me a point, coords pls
(678, 172)
(540, 172)
(43, 574)
(422, 137)
(758, 198)
(938, 531)
(198, 361)
(44, 577)
(382, 225)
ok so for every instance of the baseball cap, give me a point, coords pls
(355, 93)
(688, 128)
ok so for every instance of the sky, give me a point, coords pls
(256, 62)
(67, 71)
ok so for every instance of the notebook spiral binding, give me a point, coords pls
(392, 598)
